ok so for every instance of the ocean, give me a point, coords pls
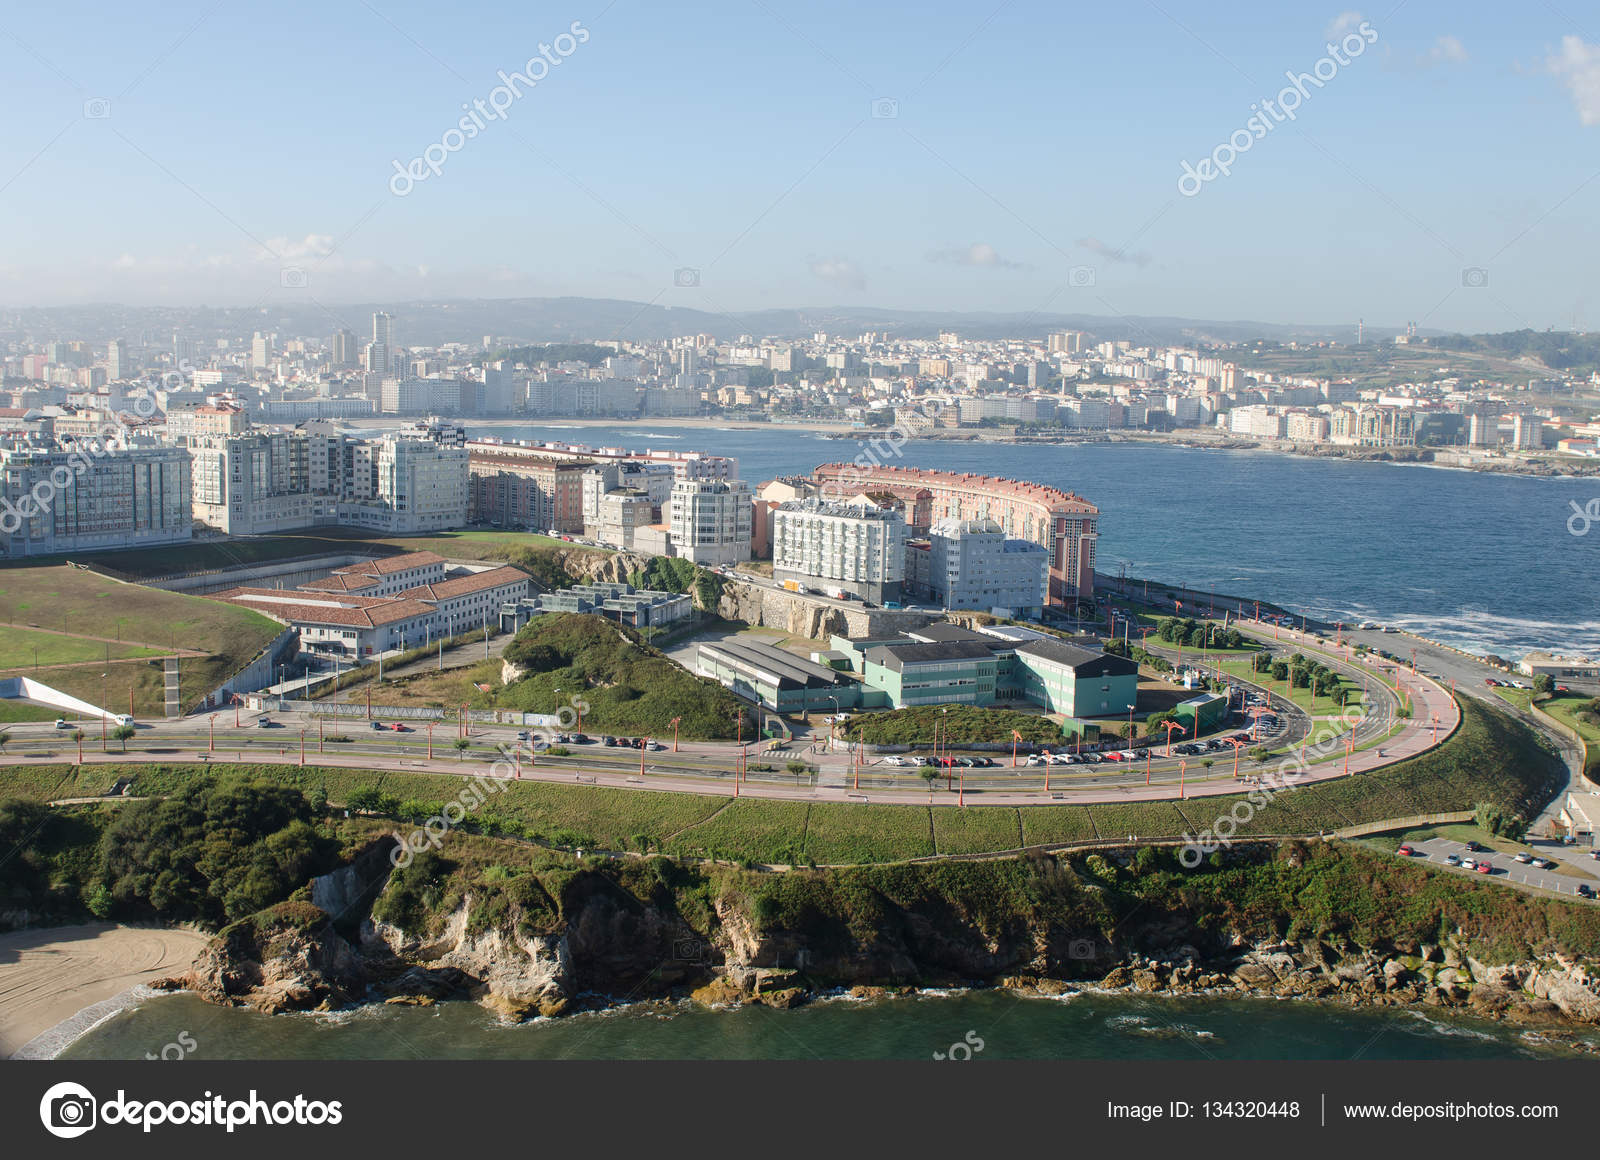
(977, 1025)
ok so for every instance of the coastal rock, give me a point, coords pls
(286, 958)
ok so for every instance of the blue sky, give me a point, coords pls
(1032, 164)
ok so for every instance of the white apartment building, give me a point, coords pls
(857, 548)
(711, 520)
(972, 564)
(93, 497)
(419, 487)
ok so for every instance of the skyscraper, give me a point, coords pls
(382, 351)
(344, 348)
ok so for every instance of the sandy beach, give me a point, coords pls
(47, 977)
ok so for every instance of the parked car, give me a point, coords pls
(377, 725)
(1543, 864)
(399, 728)
(124, 719)
(582, 739)
(654, 745)
(1113, 756)
(610, 741)
(1467, 863)
(1405, 851)
(1475, 847)
(893, 760)
(1452, 859)
(1092, 759)
(1484, 867)
(1584, 890)
(1524, 857)
(1491, 682)
(523, 735)
(1036, 759)
(265, 723)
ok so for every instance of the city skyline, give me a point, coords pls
(830, 156)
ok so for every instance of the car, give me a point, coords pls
(1113, 756)
(582, 739)
(1092, 759)
(892, 760)
(123, 719)
(1467, 863)
(265, 723)
(523, 735)
(1562, 689)
(1484, 867)
(1035, 759)
(63, 723)
(1390, 628)
(1524, 858)
(377, 725)
(1543, 864)
(1584, 890)
(1405, 851)
(608, 741)
(1452, 859)
(399, 728)
(1475, 847)
(654, 745)
(1491, 682)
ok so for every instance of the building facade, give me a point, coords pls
(859, 549)
(711, 520)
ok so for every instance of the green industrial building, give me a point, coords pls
(945, 664)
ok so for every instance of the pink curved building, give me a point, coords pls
(1065, 524)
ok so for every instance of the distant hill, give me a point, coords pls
(540, 320)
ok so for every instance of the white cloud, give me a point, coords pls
(1577, 67)
(1111, 253)
(841, 272)
(977, 254)
(1341, 24)
(1448, 50)
(125, 262)
(297, 250)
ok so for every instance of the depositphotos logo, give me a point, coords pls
(68, 1110)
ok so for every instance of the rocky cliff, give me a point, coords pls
(544, 939)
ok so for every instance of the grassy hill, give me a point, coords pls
(46, 601)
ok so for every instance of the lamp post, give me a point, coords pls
(675, 721)
(211, 733)
(430, 740)
(103, 712)
(1237, 745)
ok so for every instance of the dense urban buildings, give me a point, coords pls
(1062, 523)
(974, 564)
(92, 496)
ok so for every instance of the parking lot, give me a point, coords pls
(1506, 867)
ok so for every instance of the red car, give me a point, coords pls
(399, 728)
(1485, 868)
(1491, 682)
(1405, 851)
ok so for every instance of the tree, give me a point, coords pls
(462, 744)
(122, 733)
(1544, 684)
(5, 736)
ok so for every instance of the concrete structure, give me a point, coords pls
(944, 663)
(775, 679)
(1581, 815)
(973, 564)
(639, 607)
(420, 487)
(394, 603)
(1064, 524)
(540, 495)
(92, 496)
(858, 548)
(711, 520)
(1559, 667)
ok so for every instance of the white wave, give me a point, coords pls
(51, 1043)
(1450, 1029)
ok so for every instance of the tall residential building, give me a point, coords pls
(260, 351)
(343, 349)
(711, 520)
(973, 564)
(382, 351)
(418, 487)
(93, 497)
(117, 364)
(858, 548)
(257, 483)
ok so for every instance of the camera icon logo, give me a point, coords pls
(885, 108)
(293, 278)
(1474, 277)
(97, 108)
(67, 1110)
(689, 950)
(1080, 276)
(686, 276)
(1081, 948)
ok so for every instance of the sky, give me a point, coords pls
(1015, 157)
